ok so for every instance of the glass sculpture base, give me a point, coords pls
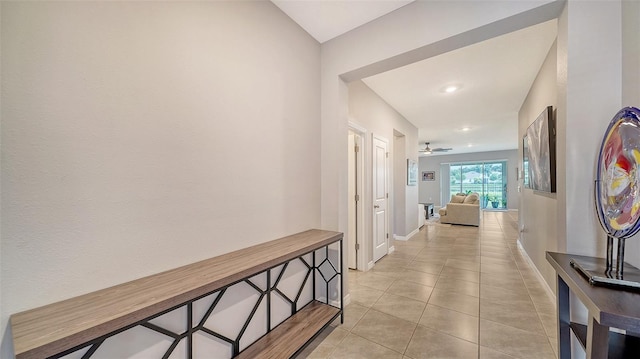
(595, 270)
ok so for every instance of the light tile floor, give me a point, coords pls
(447, 292)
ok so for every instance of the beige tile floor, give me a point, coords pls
(447, 292)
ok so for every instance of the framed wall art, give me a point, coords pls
(428, 175)
(412, 172)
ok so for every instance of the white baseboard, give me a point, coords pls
(406, 238)
(335, 302)
(549, 291)
(371, 265)
(391, 249)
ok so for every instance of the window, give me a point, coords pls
(488, 179)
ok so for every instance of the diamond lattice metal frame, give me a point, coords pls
(271, 289)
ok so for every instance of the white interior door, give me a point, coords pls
(380, 196)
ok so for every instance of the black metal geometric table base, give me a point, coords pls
(319, 271)
(595, 270)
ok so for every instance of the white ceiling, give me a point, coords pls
(495, 77)
(326, 19)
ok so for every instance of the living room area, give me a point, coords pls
(468, 116)
(492, 175)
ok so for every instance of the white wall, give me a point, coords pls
(589, 94)
(561, 129)
(588, 87)
(538, 210)
(3, 330)
(432, 190)
(399, 176)
(141, 136)
(631, 85)
(631, 53)
(593, 97)
(368, 110)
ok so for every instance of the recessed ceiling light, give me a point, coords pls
(450, 89)
(465, 129)
(470, 145)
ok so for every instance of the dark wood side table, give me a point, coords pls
(608, 308)
(428, 208)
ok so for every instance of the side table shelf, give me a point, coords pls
(620, 345)
(607, 307)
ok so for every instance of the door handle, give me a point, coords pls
(376, 206)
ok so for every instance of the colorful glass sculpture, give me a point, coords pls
(618, 175)
(617, 193)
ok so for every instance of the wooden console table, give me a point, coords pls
(607, 308)
(87, 321)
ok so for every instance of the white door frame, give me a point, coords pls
(361, 262)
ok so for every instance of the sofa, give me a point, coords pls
(462, 209)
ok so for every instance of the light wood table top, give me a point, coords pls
(51, 329)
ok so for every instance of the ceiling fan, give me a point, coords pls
(427, 150)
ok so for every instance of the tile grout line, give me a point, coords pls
(549, 339)
(479, 294)
(404, 353)
(532, 301)
(440, 278)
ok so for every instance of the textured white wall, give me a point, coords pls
(141, 136)
(430, 191)
(589, 94)
(3, 331)
(631, 53)
(399, 175)
(538, 210)
(561, 128)
(593, 97)
(631, 85)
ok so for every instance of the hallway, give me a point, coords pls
(448, 292)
